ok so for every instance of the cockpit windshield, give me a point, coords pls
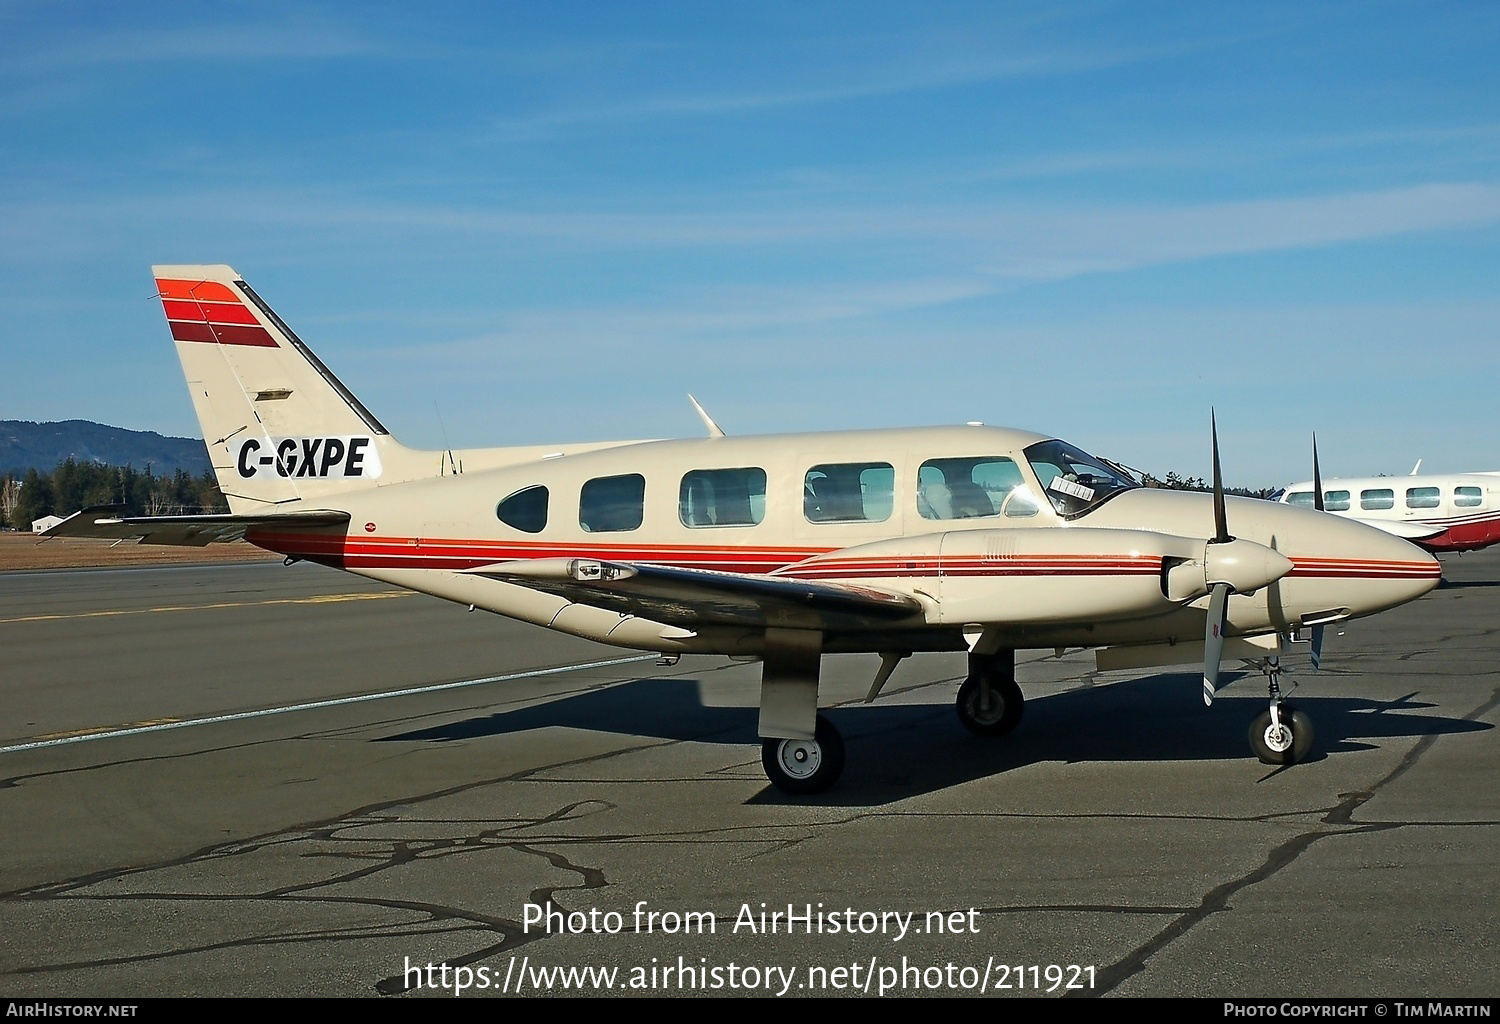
(1074, 480)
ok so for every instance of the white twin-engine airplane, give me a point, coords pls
(783, 548)
(1438, 512)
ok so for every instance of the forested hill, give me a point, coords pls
(43, 446)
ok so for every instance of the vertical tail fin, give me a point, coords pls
(278, 424)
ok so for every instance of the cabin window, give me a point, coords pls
(526, 510)
(972, 489)
(612, 504)
(850, 492)
(722, 497)
(1377, 498)
(1302, 499)
(1468, 497)
(1336, 501)
(1423, 497)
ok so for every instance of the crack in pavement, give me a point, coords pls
(544, 838)
(1337, 822)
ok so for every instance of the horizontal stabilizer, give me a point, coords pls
(693, 597)
(104, 522)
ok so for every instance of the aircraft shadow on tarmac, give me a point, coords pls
(1446, 584)
(894, 751)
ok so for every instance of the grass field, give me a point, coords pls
(23, 551)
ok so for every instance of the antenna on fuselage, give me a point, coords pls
(447, 445)
(714, 430)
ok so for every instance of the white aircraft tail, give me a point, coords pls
(278, 424)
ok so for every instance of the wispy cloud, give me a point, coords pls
(251, 41)
(837, 76)
(999, 241)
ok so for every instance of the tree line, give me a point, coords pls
(75, 485)
(1173, 482)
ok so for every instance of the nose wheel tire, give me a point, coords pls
(996, 717)
(805, 766)
(1287, 743)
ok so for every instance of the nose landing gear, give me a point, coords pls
(1281, 734)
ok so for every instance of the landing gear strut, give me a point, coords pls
(1281, 734)
(800, 750)
(989, 701)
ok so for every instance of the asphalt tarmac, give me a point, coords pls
(281, 781)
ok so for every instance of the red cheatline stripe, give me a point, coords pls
(1348, 568)
(502, 550)
(452, 553)
(455, 554)
(1460, 520)
(1324, 566)
(458, 554)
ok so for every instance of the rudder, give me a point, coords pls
(278, 424)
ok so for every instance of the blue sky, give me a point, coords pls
(523, 223)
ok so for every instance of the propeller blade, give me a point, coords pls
(1213, 639)
(1221, 520)
(1315, 649)
(1317, 480)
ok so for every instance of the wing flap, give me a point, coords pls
(103, 522)
(696, 597)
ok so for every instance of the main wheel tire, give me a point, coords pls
(1289, 744)
(805, 766)
(1003, 714)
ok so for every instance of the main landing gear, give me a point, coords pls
(989, 701)
(800, 750)
(989, 704)
(1281, 734)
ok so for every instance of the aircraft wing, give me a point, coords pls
(1408, 531)
(696, 597)
(104, 522)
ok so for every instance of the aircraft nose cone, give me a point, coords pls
(1389, 571)
(1426, 572)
